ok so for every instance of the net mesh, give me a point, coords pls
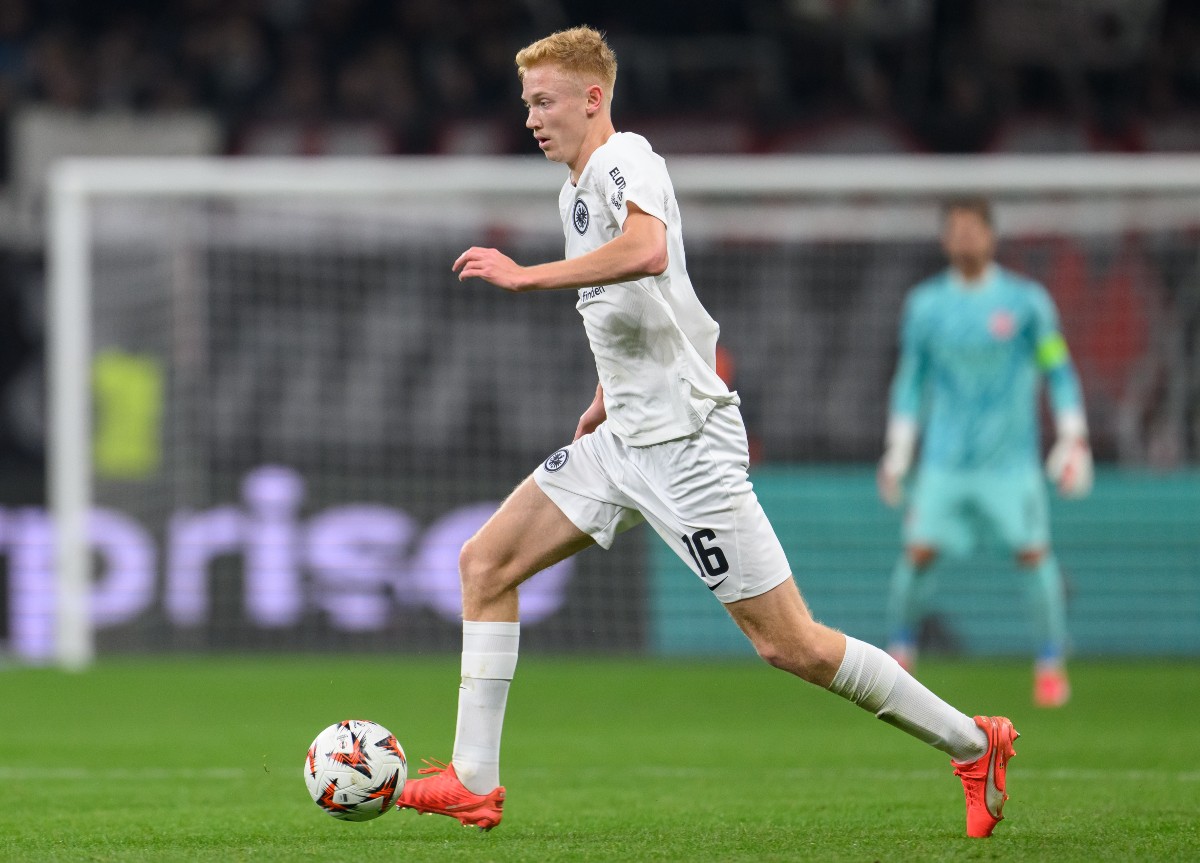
(301, 414)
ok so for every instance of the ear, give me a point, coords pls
(593, 99)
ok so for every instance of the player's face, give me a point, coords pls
(968, 240)
(558, 112)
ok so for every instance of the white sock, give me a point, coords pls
(876, 682)
(489, 659)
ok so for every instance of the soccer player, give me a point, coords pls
(662, 441)
(976, 341)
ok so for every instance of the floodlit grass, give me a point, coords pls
(604, 760)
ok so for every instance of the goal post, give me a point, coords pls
(317, 399)
(75, 184)
(69, 415)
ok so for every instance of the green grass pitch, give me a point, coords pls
(622, 759)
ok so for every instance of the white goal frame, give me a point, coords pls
(74, 183)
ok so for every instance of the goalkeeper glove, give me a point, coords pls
(1069, 465)
(899, 444)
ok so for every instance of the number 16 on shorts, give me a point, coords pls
(709, 559)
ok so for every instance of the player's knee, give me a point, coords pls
(471, 569)
(797, 654)
(922, 556)
(772, 654)
(482, 575)
(1030, 557)
(785, 658)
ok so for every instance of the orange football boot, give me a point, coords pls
(983, 778)
(443, 794)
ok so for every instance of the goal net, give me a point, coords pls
(277, 414)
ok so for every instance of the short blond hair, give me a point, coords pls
(580, 51)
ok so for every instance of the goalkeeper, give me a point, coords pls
(975, 342)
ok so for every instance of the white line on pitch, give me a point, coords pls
(1054, 774)
(122, 773)
(228, 773)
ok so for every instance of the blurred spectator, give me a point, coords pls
(961, 115)
(15, 68)
(948, 74)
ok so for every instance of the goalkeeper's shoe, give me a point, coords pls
(1051, 687)
(983, 778)
(905, 655)
(443, 794)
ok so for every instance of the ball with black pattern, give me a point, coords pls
(355, 770)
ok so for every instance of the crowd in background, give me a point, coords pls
(945, 75)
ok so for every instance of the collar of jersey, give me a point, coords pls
(985, 281)
(629, 136)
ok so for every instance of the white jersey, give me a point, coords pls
(655, 345)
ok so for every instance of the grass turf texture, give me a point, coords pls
(604, 760)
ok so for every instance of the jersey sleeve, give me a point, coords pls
(908, 383)
(1053, 358)
(640, 177)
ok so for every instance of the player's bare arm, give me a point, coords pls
(640, 251)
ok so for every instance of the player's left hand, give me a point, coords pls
(1069, 466)
(492, 266)
(589, 421)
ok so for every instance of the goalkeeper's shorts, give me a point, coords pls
(955, 511)
(693, 491)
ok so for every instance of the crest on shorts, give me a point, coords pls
(580, 216)
(557, 460)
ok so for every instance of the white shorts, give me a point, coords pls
(693, 491)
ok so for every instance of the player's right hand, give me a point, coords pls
(492, 266)
(890, 483)
(901, 441)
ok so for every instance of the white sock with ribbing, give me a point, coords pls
(876, 682)
(489, 659)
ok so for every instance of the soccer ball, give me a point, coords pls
(355, 770)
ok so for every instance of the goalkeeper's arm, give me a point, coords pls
(899, 446)
(904, 406)
(1069, 464)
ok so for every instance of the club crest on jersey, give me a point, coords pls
(557, 460)
(580, 216)
(1002, 325)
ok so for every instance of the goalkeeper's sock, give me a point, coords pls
(875, 682)
(1046, 598)
(489, 659)
(903, 610)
